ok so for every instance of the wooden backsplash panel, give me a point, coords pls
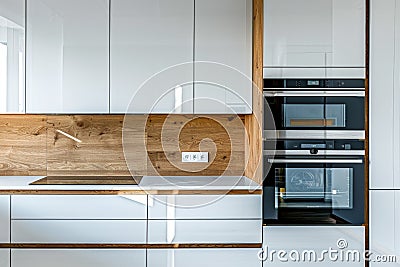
(22, 145)
(222, 136)
(99, 153)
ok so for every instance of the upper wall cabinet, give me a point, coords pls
(314, 34)
(12, 56)
(67, 56)
(151, 56)
(223, 56)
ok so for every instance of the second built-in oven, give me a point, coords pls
(315, 108)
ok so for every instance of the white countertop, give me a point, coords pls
(147, 183)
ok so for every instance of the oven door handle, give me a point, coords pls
(352, 161)
(314, 93)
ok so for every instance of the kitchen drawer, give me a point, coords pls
(205, 207)
(79, 207)
(204, 231)
(4, 219)
(4, 257)
(78, 231)
(78, 257)
(203, 257)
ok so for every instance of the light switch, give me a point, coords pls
(194, 156)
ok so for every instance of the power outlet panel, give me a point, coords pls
(194, 156)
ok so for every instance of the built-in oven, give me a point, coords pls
(314, 182)
(315, 108)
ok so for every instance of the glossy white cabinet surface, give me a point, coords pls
(78, 231)
(12, 56)
(147, 37)
(316, 239)
(205, 207)
(314, 33)
(384, 92)
(203, 257)
(67, 56)
(223, 34)
(78, 207)
(384, 222)
(78, 258)
(204, 231)
(5, 257)
(4, 219)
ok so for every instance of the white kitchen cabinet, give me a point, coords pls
(204, 231)
(314, 240)
(223, 56)
(79, 207)
(384, 221)
(385, 95)
(67, 56)
(78, 258)
(203, 257)
(5, 257)
(148, 39)
(12, 56)
(79, 231)
(4, 219)
(313, 35)
(205, 207)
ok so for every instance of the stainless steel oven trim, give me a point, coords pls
(331, 93)
(313, 134)
(308, 153)
(323, 161)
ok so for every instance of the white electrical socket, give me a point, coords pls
(194, 156)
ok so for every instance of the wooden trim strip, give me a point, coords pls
(125, 246)
(130, 192)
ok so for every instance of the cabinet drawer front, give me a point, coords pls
(203, 257)
(78, 231)
(204, 231)
(4, 219)
(205, 207)
(5, 257)
(79, 207)
(78, 258)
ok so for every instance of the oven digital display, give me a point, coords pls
(313, 83)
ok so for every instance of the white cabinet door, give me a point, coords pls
(78, 258)
(79, 207)
(5, 257)
(204, 231)
(223, 37)
(316, 34)
(306, 245)
(4, 219)
(203, 257)
(79, 231)
(12, 56)
(382, 91)
(205, 207)
(67, 56)
(148, 37)
(384, 221)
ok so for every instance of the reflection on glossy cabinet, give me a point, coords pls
(5, 257)
(4, 219)
(67, 56)
(384, 222)
(203, 257)
(385, 95)
(314, 33)
(12, 56)
(223, 37)
(149, 37)
(78, 258)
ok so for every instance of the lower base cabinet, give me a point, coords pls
(203, 257)
(5, 257)
(78, 257)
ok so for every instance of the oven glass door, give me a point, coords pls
(313, 113)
